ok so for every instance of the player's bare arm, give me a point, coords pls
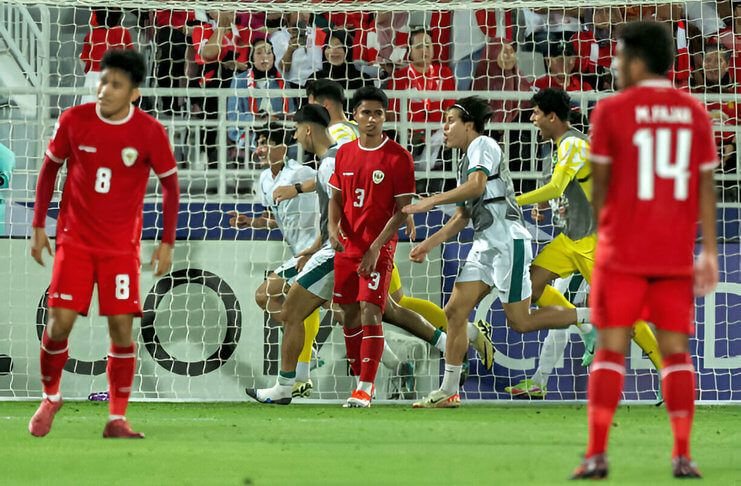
(601, 180)
(472, 188)
(284, 193)
(706, 265)
(454, 226)
(162, 259)
(39, 241)
(368, 263)
(333, 225)
(242, 221)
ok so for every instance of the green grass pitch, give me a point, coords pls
(250, 444)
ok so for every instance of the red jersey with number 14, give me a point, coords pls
(108, 165)
(370, 181)
(657, 140)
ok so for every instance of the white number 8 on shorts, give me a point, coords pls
(122, 286)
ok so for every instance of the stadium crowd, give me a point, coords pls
(485, 50)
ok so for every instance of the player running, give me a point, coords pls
(653, 152)
(571, 183)
(296, 219)
(110, 147)
(330, 95)
(501, 251)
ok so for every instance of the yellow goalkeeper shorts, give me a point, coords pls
(395, 283)
(564, 256)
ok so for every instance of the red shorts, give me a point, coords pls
(351, 288)
(621, 299)
(76, 270)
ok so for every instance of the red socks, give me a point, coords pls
(54, 355)
(121, 363)
(678, 387)
(603, 393)
(353, 340)
(371, 351)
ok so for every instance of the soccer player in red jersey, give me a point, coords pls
(372, 180)
(653, 155)
(110, 146)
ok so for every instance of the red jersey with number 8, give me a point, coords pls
(370, 180)
(108, 166)
(657, 139)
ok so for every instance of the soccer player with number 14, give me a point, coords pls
(653, 155)
(109, 146)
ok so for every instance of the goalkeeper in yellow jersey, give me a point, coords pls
(571, 182)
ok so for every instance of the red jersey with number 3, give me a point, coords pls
(370, 181)
(657, 139)
(108, 165)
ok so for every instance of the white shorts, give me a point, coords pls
(508, 271)
(317, 276)
(288, 271)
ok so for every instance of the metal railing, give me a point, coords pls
(27, 40)
(186, 131)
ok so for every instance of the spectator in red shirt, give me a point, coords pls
(595, 47)
(730, 37)
(106, 33)
(716, 79)
(497, 72)
(423, 74)
(561, 60)
(220, 52)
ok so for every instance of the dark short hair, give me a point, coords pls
(474, 109)
(417, 30)
(650, 42)
(559, 48)
(273, 133)
(128, 61)
(326, 89)
(552, 100)
(711, 47)
(312, 114)
(369, 93)
(108, 17)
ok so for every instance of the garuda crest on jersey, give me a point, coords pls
(378, 176)
(129, 155)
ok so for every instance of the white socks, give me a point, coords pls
(451, 379)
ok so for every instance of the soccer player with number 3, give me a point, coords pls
(372, 180)
(653, 155)
(109, 146)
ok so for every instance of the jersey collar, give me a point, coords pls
(114, 122)
(655, 83)
(385, 139)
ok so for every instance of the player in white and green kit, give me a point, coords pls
(501, 253)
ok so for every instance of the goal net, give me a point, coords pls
(223, 76)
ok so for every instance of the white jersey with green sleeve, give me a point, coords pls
(495, 215)
(501, 252)
(298, 217)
